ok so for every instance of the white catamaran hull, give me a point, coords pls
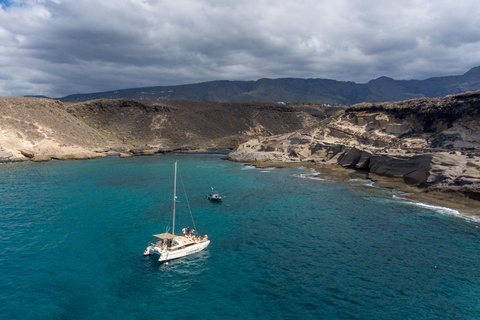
(172, 246)
(152, 250)
(166, 255)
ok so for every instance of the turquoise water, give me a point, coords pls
(283, 246)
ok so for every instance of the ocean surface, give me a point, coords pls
(284, 245)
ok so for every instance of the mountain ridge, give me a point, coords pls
(289, 90)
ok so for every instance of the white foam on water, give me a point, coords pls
(311, 172)
(248, 168)
(439, 209)
(312, 176)
(365, 182)
(316, 178)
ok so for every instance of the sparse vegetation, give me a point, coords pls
(224, 125)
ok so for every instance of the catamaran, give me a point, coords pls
(171, 246)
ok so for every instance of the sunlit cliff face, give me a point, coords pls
(432, 143)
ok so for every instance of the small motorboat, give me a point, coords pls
(214, 196)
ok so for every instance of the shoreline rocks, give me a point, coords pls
(430, 171)
(430, 144)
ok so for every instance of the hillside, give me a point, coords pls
(42, 129)
(293, 90)
(37, 128)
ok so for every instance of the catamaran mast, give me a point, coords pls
(174, 196)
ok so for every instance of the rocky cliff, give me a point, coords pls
(433, 144)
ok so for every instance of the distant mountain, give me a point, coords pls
(36, 96)
(298, 90)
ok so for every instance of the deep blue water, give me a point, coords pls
(72, 235)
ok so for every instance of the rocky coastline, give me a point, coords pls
(429, 148)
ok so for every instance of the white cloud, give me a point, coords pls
(67, 46)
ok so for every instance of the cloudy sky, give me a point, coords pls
(60, 47)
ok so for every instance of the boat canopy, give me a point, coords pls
(165, 235)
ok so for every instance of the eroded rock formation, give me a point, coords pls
(430, 143)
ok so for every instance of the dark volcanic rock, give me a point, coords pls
(414, 170)
(355, 158)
